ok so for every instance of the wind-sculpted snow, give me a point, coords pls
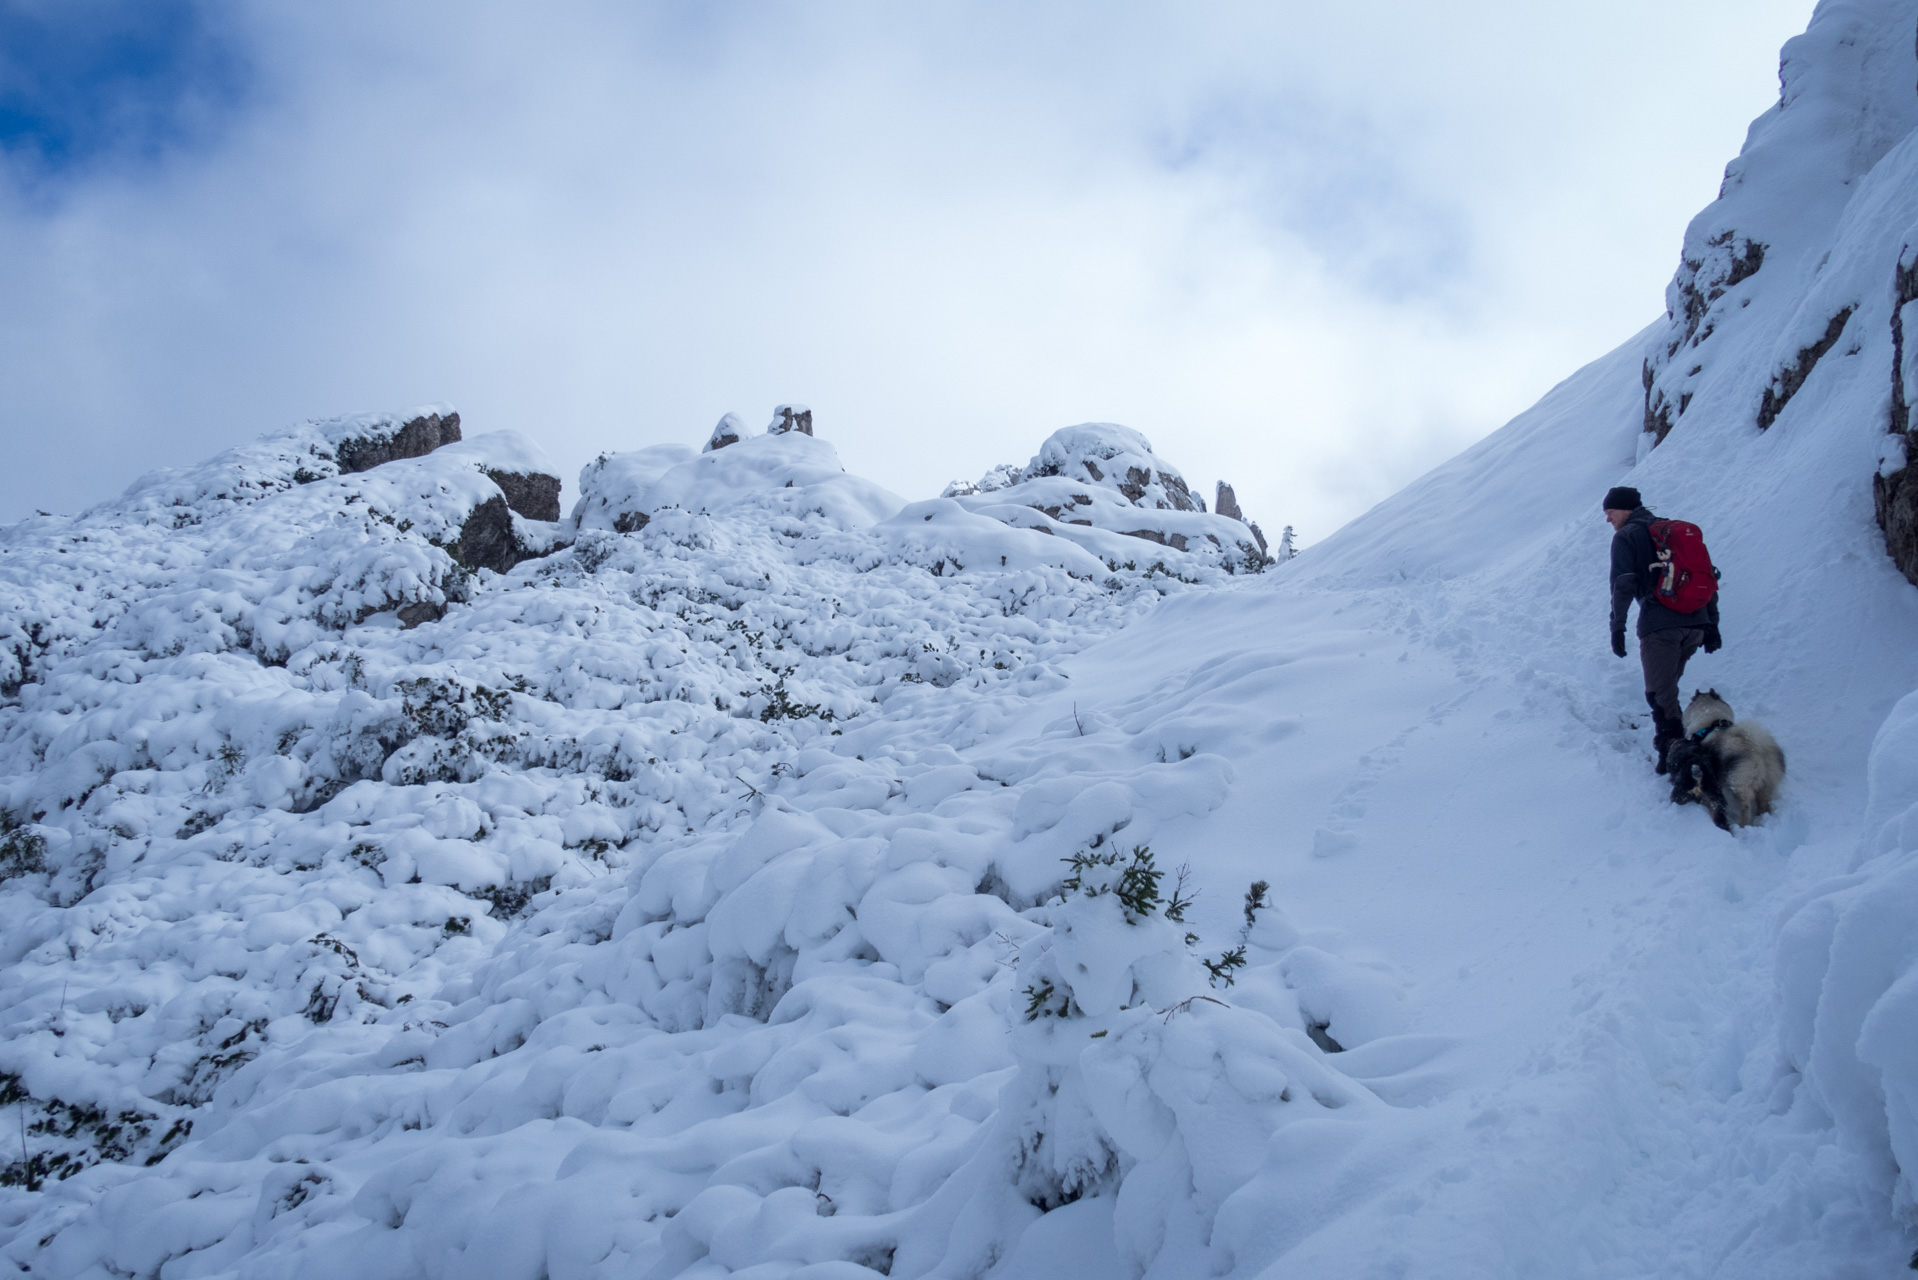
(636, 909)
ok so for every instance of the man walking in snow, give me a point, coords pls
(1666, 638)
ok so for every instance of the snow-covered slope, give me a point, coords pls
(766, 876)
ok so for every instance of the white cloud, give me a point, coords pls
(1312, 249)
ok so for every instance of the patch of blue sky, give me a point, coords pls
(86, 83)
(1329, 182)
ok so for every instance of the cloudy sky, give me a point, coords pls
(1311, 248)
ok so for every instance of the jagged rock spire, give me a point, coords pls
(790, 417)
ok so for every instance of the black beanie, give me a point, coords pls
(1623, 498)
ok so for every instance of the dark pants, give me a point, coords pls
(1664, 654)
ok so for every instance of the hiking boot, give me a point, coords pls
(1665, 732)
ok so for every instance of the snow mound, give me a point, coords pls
(729, 430)
(788, 475)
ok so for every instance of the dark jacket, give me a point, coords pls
(1632, 557)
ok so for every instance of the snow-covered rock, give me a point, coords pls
(729, 430)
(790, 417)
(1091, 482)
(1753, 311)
(364, 441)
(1227, 505)
(788, 472)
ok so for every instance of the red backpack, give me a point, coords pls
(1683, 579)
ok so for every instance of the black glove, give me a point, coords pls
(1618, 643)
(1713, 641)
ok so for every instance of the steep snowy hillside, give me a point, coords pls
(755, 874)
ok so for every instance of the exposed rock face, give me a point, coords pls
(1896, 499)
(1893, 494)
(1725, 261)
(731, 431)
(531, 494)
(1904, 293)
(424, 611)
(414, 438)
(790, 417)
(487, 540)
(1176, 541)
(1227, 504)
(1786, 381)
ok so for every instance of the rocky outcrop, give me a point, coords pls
(1104, 477)
(790, 417)
(1896, 500)
(1893, 493)
(487, 540)
(1176, 541)
(419, 613)
(1904, 293)
(731, 431)
(531, 493)
(1227, 503)
(1117, 459)
(1753, 274)
(1786, 381)
(1705, 278)
(387, 440)
(998, 478)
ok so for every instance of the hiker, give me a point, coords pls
(1667, 635)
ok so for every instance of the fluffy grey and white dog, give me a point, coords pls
(1731, 768)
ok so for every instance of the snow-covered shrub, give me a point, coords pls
(656, 832)
(1135, 1080)
(64, 1138)
(23, 851)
